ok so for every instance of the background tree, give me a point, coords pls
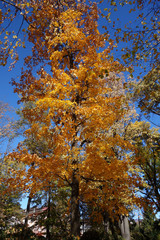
(147, 228)
(138, 45)
(11, 212)
(147, 144)
(147, 93)
(140, 33)
(6, 125)
(56, 216)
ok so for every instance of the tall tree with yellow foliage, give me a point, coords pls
(68, 85)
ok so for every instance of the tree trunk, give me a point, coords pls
(25, 227)
(106, 222)
(48, 235)
(75, 215)
(124, 227)
(27, 211)
(113, 230)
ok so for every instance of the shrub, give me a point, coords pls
(91, 235)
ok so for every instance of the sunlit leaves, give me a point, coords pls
(78, 106)
(11, 11)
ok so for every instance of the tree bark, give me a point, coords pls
(75, 214)
(25, 226)
(106, 222)
(48, 235)
(112, 228)
(124, 227)
(27, 211)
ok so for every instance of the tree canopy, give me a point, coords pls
(78, 108)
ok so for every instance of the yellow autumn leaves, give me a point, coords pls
(74, 109)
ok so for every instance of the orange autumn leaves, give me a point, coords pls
(73, 110)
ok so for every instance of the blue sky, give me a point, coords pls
(6, 90)
(7, 94)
